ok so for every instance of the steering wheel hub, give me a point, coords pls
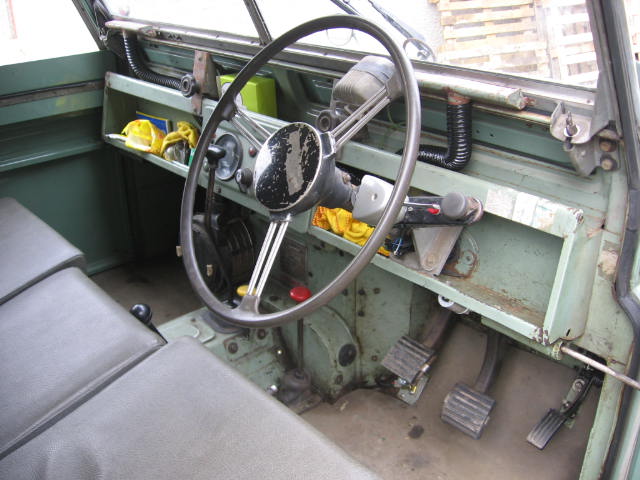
(288, 168)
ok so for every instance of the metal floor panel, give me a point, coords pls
(160, 283)
(374, 428)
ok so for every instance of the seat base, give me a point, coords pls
(181, 413)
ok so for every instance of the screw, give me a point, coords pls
(571, 128)
(279, 351)
(232, 348)
(262, 333)
(253, 151)
(272, 390)
(361, 313)
(376, 290)
(374, 358)
(338, 380)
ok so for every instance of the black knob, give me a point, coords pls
(455, 206)
(215, 153)
(188, 85)
(142, 312)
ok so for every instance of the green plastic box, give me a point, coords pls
(258, 95)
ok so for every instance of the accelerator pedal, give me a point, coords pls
(468, 408)
(554, 419)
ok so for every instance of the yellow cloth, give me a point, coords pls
(185, 131)
(143, 135)
(341, 221)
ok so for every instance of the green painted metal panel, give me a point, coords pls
(48, 139)
(53, 72)
(49, 107)
(82, 197)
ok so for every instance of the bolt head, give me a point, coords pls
(608, 164)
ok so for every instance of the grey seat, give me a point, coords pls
(61, 340)
(181, 413)
(29, 249)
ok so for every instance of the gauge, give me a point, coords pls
(228, 164)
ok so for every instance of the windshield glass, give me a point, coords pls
(229, 16)
(544, 39)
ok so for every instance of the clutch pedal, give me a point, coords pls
(410, 360)
(468, 408)
(554, 419)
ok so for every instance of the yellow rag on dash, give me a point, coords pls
(144, 136)
(341, 221)
(185, 131)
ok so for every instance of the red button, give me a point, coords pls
(433, 211)
(300, 294)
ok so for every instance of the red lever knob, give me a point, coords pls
(300, 294)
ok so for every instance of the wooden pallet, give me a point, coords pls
(500, 35)
(572, 54)
(633, 15)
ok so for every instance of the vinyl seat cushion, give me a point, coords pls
(30, 250)
(181, 413)
(61, 341)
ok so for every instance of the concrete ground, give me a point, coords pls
(374, 427)
(160, 283)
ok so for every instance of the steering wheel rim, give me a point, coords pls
(247, 317)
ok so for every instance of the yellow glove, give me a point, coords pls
(185, 131)
(341, 221)
(144, 136)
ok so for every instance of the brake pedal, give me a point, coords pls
(469, 408)
(542, 433)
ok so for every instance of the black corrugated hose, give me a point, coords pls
(138, 67)
(458, 151)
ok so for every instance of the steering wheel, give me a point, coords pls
(295, 170)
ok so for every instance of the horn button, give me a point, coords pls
(290, 169)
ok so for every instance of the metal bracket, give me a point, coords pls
(204, 72)
(587, 139)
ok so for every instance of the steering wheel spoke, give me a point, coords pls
(359, 118)
(266, 258)
(255, 133)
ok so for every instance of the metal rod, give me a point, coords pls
(358, 112)
(251, 122)
(266, 246)
(273, 253)
(347, 129)
(301, 344)
(258, 21)
(599, 366)
(246, 133)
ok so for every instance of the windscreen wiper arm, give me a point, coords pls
(346, 7)
(411, 34)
